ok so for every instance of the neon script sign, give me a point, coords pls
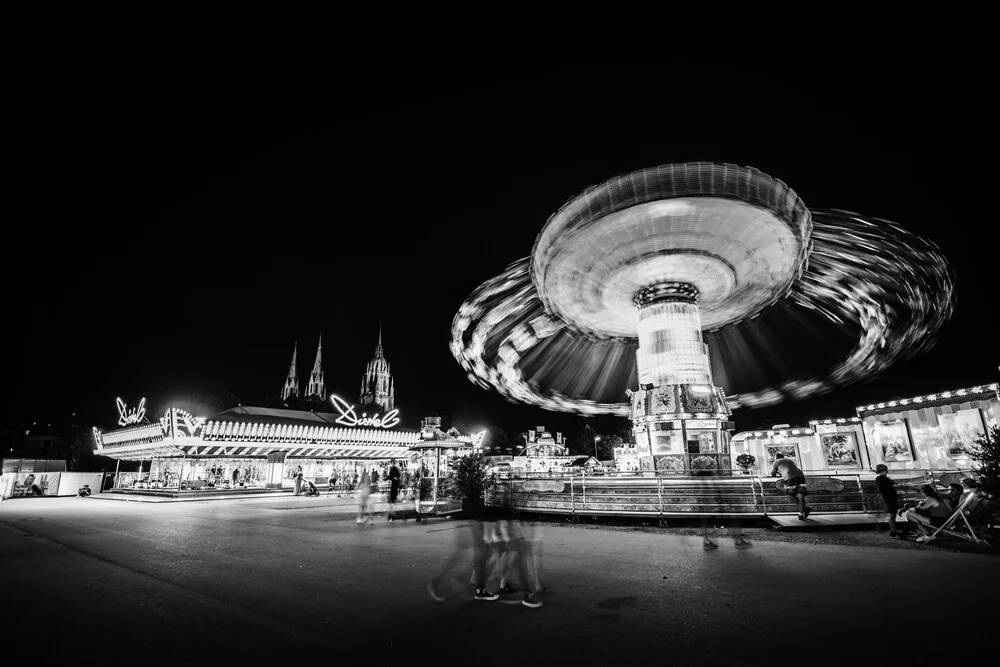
(133, 416)
(350, 418)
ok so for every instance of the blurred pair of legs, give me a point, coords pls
(469, 542)
(364, 508)
(708, 543)
(515, 557)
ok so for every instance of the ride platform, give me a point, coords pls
(792, 521)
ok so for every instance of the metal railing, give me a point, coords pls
(682, 494)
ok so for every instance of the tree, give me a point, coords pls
(313, 402)
(496, 440)
(606, 446)
(582, 442)
(272, 401)
(472, 477)
(986, 453)
(293, 403)
(515, 442)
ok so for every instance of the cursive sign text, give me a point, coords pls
(128, 417)
(350, 418)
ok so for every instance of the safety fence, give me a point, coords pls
(671, 495)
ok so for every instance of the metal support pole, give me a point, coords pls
(659, 491)
(437, 472)
(572, 496)
(763, 496)
(118, 463)
(861, 491)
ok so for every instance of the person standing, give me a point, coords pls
(887, 487)
(794, 480)
(394, 479)
(298, 480)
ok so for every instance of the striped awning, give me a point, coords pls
(214, 449)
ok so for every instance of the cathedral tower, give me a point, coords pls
(316, 385)
(376, 384)
(291, 387)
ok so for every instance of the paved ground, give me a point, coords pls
(285, 579)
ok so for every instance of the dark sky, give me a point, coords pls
(180, 218)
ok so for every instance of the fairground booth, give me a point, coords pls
(255, 449)
(934, 432)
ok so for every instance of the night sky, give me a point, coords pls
(180, 219)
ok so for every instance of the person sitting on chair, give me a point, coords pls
(929, 513)
(955, 495)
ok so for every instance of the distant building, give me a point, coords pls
(316, 386)
(291, 387)
(541, 443)
(377, 387)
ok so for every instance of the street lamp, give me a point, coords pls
(596, 438)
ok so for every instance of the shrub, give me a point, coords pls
(472, 476)
(986, 453)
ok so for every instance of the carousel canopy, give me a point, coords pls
(444, 443)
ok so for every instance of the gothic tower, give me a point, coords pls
(376, 384)
(291, 387)
(316, 385)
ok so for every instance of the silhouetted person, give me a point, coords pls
(394, 478)
(887, 487)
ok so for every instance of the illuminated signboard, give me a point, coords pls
(477, 439)
(350, 418)
(128, 417)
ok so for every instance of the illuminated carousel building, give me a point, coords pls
(263, 448)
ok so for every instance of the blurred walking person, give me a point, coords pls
(469, 540)
(516, 558)
(364, 493)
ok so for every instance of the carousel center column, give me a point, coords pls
(679, 417)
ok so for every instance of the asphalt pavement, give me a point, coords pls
(282, 580)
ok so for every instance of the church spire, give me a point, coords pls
(317, 386)
(291, 387)
(377, 386)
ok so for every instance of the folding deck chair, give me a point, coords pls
(969, 524)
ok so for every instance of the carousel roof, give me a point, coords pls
(443, 443)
